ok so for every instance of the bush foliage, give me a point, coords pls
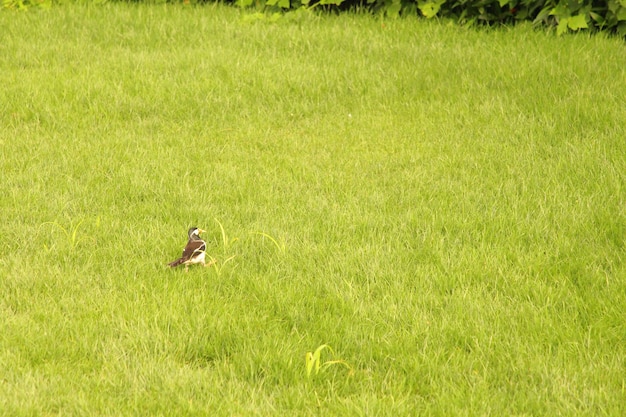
(565, 15)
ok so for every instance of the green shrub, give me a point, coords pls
(565, 15)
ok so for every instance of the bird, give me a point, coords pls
(194, 252)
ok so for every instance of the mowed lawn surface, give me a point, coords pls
(443, 206)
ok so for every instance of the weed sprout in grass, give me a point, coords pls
(279, 246)
(71, 235)
(219, 266)
(314, 364)
(226, 243)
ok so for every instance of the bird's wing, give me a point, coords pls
(192, 247)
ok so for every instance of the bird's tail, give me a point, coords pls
(176, 262)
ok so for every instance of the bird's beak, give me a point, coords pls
(201, 231)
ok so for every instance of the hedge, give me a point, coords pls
(564, 15)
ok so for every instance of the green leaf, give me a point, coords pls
(544, 13)
(394, 8)
(562, 27)
(577, 22)
(621, 14)
(309, 363)
(430, 9)
(560, 10)
(597, 18)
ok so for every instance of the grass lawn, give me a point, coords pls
(445, 207)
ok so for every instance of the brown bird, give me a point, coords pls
(194, 252)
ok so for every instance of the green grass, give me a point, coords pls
(444, 207)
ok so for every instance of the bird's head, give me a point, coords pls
(194, 232)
